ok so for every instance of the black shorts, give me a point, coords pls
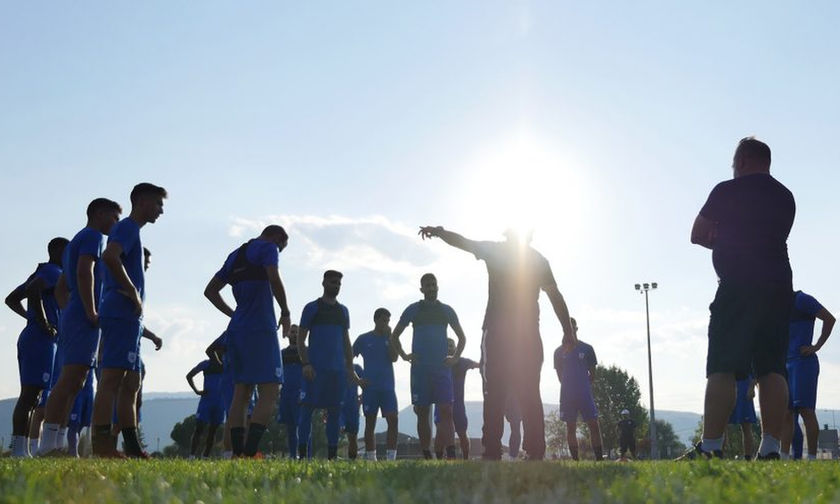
(748, 329)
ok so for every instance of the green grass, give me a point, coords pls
(180, 481)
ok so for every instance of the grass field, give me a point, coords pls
(178, 481)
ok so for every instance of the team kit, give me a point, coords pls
(84, 325)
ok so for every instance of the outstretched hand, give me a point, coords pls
(430, 231)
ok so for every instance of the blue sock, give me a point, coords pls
(332, 426)
(304, 432)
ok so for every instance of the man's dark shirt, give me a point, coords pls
(754, 215)
(626, 428)
(515, 277)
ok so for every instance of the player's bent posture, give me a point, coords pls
(511, 348)
(121, 317)
(288, 408)
(379, 353)
(327, 362)
(575, 364)
(459, 410)
(78, 291)
(349, 418)
(803, 368)
(743, 414)
(626, 435)
(746, 222)
(37, 342)
(431, 363)
(211, 410)
(252, 348)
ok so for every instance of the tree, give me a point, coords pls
(615, 390)
(668, 443)
(555, 433)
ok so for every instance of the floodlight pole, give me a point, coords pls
(644, 288)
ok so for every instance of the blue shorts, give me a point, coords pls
(571, 406)
(121, 343)
(374, 401)
(82, 412)
(36, 356)
(325, 391)
(431, 385)
(288, 407)
(211, 410)
(254, 356)
(79, 341)
(349, 418)
(802, 375)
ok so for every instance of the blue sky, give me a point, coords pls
(603, 126)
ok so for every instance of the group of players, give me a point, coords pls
(88, 289)
(84, 312)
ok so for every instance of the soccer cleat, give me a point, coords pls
(696, 453)
(769, 456)
(142, 455)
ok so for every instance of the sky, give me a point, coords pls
(602, 126)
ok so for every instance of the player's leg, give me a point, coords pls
(812, 430)
(370, 437)
(103, 409)
(73, 431)
(424, 429)
(267, 398)
(211, 439)
(21, 417)
(595, 437)
(391, 419)
(721, 392)
(35, 423)
(464, 441)
(533, 416)
(787, 432)
(571, 439)
(127, 413)
(460, 422)
(238, 411)
(798, 438)
(494, 386)
(60, 402)
(515, 439)
(200, 425)
(333, 428)
(439, 441)
(446, 429)
(747, 435)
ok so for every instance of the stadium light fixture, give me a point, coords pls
(644, 289)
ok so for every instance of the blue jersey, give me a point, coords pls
(459, 377)
(802, 318)
(49, 273)
(292, 372)
(244, 270)
(213, 375)
(114, 304)
(574, 369)
(87, 242)
(326, 324)
(375, 351)
(430, 320)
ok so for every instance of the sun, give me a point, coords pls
(525, 185)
